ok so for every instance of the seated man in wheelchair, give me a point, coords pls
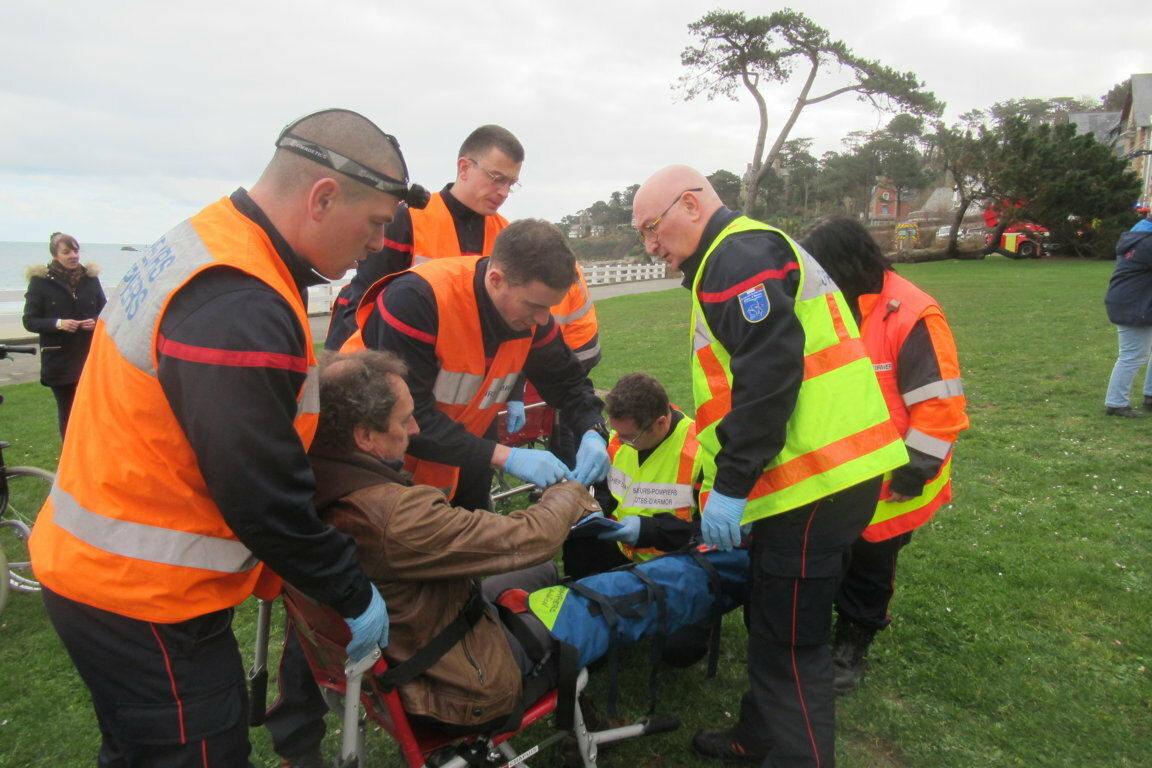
(425, 555)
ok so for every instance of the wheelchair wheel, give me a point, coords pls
(28, 488)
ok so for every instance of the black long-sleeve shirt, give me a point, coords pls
(767, 356)
(396, 256)
(551, 366)
(232, 360)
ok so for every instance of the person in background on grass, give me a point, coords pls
(61, 305)
(1129, 304)
(794, 438)
(912, 351)
(184, 485)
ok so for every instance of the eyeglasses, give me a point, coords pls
(631, 441)
(498, 179)
(648, 231)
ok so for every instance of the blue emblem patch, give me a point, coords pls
(754, 304)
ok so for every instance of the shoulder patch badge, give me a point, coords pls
(754, 304)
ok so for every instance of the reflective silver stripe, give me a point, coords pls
(816, 281)
(148, 542)
(933, 446)
(701, 336)
(455, 388)
(418, 259)
(588, 354)
(499, 389)
(658, 496)
(134, 309)
(310, 393)
(937, 389)
(579, 313)
(617, 481)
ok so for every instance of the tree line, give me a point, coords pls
(1021, 155)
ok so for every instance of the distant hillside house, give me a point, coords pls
(1099, 125)
(1132, 137)
(883, 207)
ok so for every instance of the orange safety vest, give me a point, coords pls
(576, 316)
(130, 526)
(886, 320)
(469, 389)
(434, 232)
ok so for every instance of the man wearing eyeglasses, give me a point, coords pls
(460, 220)
(794, 435)
(184, 485)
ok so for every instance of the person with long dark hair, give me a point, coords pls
(914, 356)
(63, 299)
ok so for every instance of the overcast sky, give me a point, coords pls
(121, 118)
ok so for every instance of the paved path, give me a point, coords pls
(21, 368)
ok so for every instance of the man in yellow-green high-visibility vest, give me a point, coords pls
(793, 434)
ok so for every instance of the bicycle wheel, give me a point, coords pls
(3, 582)
(28, 488)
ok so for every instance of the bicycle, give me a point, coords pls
(23, 491)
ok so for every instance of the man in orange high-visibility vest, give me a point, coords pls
(462, 219)
(914, 356)
(184, 481)
(793, 436)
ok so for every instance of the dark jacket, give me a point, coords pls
(1129, 296)
(49, 299)
(423, 555)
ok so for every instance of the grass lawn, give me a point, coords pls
(1021, 621)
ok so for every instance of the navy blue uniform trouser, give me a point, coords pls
(867, 587)
(165, 695)
(797, 560)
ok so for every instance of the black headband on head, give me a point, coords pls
(414, 195)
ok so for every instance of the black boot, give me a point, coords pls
(1148, 402)
(849, 654)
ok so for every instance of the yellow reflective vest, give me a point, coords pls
(839, 433)
(663, 483)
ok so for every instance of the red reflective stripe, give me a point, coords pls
(400, 325)
(172, 682)
(743, 285)
(547, 337)
(824, 459)
(234, 358)
(342, 301)
(833, 357)
(837, 319)
(402, 247)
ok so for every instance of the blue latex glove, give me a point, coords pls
(538, 467)
(720, 521)
(369, 629)
(516, 419)
(626, 535)
(591, 459)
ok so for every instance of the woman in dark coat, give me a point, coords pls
(61, 305)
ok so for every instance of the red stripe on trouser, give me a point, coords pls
(172, 680)
(792, 651)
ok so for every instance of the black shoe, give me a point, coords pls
(1148, 402)
(850, 654)
(312, 760)
(1126, 411)
(723, 745)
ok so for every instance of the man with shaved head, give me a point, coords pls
(794, 436)
(184, 484)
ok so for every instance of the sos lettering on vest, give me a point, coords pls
(754, 304)
(135, 285)
(658, 496)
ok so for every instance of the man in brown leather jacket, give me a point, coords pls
(425, 555)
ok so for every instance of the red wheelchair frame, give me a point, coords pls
(351, 689)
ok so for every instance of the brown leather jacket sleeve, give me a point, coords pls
(414, 534)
